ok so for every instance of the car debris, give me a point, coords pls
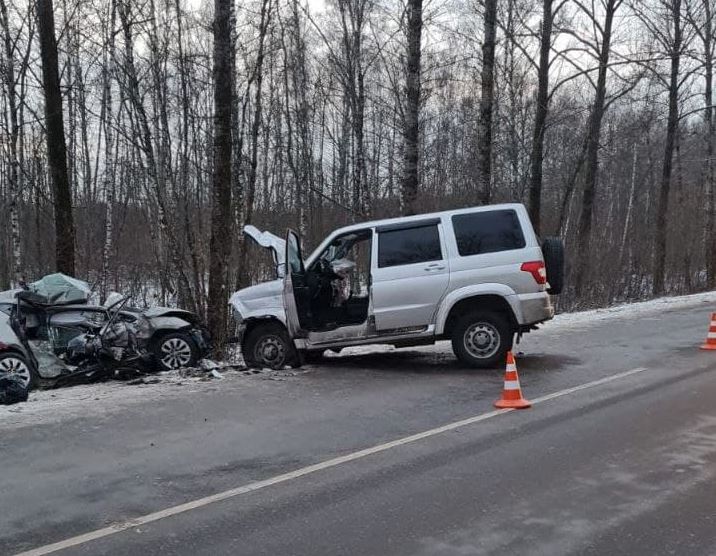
(51, 333)
(12, 389)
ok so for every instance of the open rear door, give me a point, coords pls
(295, 290)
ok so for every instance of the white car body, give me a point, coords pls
(408, 303)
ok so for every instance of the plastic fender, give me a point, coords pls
(458, 295)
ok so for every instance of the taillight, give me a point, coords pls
(537, 270)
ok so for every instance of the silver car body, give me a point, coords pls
(410, 302)
(8, 339)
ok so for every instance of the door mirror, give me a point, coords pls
(294, 260)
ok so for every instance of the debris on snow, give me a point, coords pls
(12, 390)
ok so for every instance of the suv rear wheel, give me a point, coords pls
(482, 339)
(269, 346)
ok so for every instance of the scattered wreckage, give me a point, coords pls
(49, 332)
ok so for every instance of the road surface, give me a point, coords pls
(617, 457)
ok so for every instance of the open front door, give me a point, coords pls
(296, 293)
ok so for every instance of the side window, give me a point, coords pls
(408, 246)
(487, 232)
(293, 250)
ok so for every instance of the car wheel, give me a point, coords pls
(176, 351)
(269, 346)
(16, 364)
(482, 339)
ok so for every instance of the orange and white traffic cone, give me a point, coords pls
(512, 393)
(711, 336)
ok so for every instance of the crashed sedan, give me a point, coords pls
(52, 328)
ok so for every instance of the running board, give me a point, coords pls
(422, 332)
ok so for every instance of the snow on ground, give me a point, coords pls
(50, 406)
(651, 308)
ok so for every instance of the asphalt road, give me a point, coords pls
(622, 466)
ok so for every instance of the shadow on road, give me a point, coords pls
(437, 363)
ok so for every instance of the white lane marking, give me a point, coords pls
(251, 487)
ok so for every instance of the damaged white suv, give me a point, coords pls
(474, 276)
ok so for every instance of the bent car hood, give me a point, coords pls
(267, 240)
(261, 297)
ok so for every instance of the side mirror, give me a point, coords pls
(281, 270)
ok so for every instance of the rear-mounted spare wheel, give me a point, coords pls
(553, 253)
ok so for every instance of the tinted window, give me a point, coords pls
(293, 248)
(487, 232)
(408, 246)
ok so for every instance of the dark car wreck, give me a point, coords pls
(54, 334)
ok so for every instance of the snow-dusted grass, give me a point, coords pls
(637, 310)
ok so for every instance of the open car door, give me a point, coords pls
(296, 293)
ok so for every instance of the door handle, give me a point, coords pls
(434, 267)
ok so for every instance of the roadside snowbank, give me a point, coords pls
(637, 310)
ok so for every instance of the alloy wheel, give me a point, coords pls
(18, 367)
(176, 353)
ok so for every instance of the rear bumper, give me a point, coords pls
(535, 308)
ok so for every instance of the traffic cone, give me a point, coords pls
(512, 393)
(711, 336)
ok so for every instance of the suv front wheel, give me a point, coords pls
(269, 346)
(482, 339)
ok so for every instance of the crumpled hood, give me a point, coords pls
(258, 297)
(267, 240)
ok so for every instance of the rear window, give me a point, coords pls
(487, 232)
(409, 246)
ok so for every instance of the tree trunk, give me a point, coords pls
(221, 213)
(671, 127)
(484, 129)
(108, 182)
(14, 189)
(56, 146)
(710, 240)
(541, 111)
(411, 124)
(591, 169)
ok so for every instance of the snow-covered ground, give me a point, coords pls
(47, 406)
(51, 406)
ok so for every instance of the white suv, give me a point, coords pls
(474, 276)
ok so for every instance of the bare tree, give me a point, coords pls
(584, 232)
(484, 126)
(541, 111)
(221, 211)
(56, 147)
(411, 113)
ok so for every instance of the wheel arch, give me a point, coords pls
(253, 323)
(162, 332)
(478, 302)
(7, 349)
